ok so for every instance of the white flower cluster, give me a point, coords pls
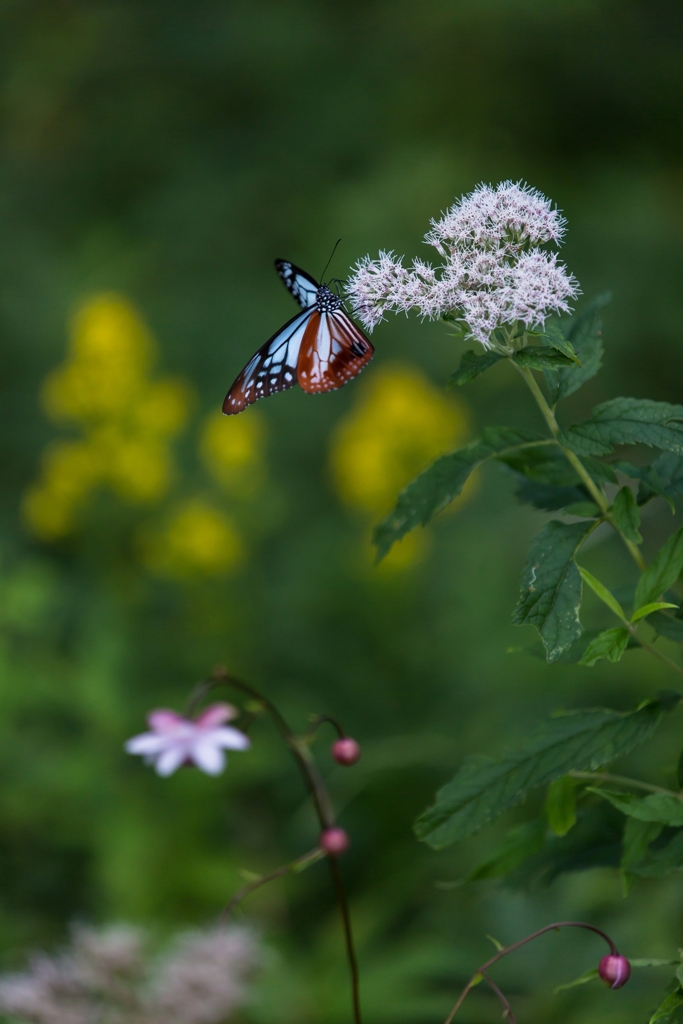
(107, 977)
(493, 274)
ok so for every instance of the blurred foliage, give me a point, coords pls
(154, 160)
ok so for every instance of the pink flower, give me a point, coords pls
(174, 740)
(493, 275)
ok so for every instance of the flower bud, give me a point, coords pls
(334, 840)
(346, 751)
(614, 970)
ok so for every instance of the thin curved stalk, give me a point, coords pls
(480, 973)
(507, 1011)
(293, 867)
(321, 801)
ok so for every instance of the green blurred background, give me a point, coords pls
(156, 157)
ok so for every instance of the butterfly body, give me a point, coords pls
(320, 348)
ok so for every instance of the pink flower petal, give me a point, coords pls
(208, 757)
(229, 738)
(216, 714)
(170, 760)
(147, 743)
(164, 720)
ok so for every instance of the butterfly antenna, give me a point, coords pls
(330, 259)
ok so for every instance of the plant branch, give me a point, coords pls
(320, 720)
(575, 461)
(653, 650)
(321, 801)
(507, 1008)
(622, 780)
(293, 867)
(474, 980)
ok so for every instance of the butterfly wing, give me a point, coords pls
(273, 368)
(333, 351)
(300, 284)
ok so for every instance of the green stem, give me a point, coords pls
(622, 780)
(294, 867)
(575, 461)
(476, 978)
(653, 650)
(321, 801)
(597, 495)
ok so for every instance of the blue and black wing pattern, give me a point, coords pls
(272, 369)
(300, 284)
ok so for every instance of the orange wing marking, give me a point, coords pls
(333, 351)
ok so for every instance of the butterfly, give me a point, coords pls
(320, 349)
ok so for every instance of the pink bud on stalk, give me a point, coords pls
(334, 840)
(615, 970)
(346, 751)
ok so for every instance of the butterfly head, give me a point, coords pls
(326, 301)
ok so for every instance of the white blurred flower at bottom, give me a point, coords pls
(111, 975)
(174, 740)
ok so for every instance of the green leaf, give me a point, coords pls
(560, 805)
(668, 469)
(603, 593)
(627, 514)
(581, 980)
(648, 609)
(656, 807)
(610, 644)
(443, 481)
(548, 464)
(650, 484)
(627, 421)
(548, 497)
(472, 365)
(537, 358)
(595, 841)
(670, 626)
(666, 1011)
(550, 588)
(637, 837)
(575, 653)
(521, 842)
(584, 335)
(585, 509)
(601, 472)
(554, 337)
(662, 859)
(482, 789)
(662, 572)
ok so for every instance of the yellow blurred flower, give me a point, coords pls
(110, 353)
(399, 424)
(127, 418)
(162, 408)
(197, 540)
(232, 450)
(70, 471)
(137, 468)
